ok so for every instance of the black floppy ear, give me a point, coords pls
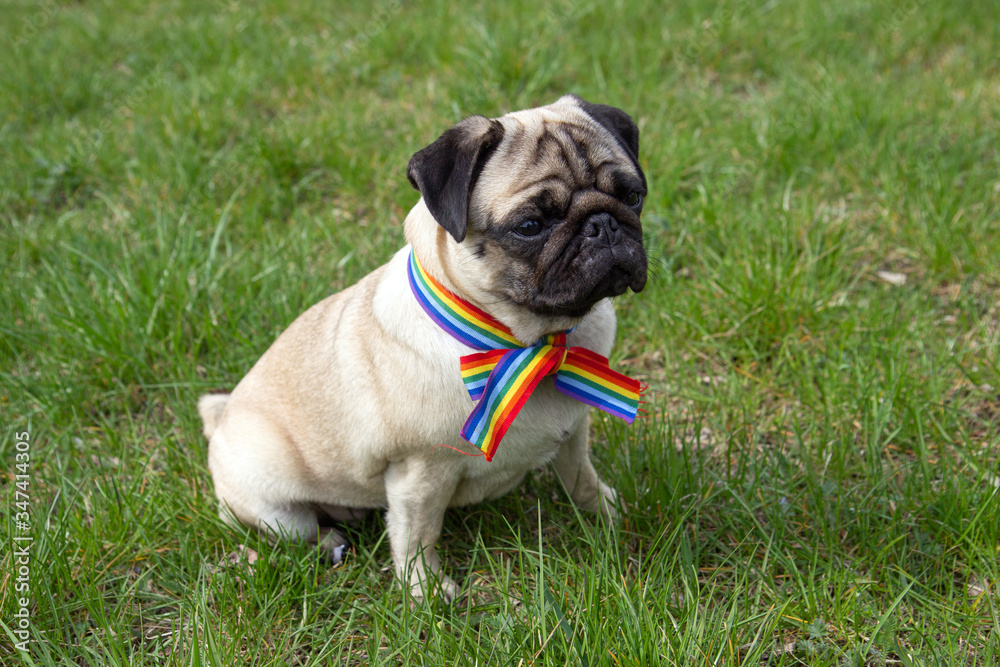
(446, 171)
(617, 122)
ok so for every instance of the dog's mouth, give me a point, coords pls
(574, 290)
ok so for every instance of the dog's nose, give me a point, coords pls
(602, 225)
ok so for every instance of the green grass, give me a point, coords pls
(817, 480)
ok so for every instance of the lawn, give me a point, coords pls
(817, 480)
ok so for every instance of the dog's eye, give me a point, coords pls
(529, 228)
(633, 199)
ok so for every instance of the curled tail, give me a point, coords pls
(210, 407)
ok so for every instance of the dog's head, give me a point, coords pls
(545, 202)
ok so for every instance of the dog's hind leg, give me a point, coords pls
(294, 521)
(299, 523)
(257, 489)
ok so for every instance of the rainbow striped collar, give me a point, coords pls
(505, 372)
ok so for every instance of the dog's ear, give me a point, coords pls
(617, 122)
(446, 171)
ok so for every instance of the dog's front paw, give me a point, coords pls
(448, 589)
(439, 585)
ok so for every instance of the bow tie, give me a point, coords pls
(502, 376)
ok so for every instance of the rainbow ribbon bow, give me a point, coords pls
(503, 375)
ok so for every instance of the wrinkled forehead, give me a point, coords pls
(558, 150)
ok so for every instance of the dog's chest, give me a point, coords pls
(547, 420)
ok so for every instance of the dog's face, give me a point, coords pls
(546, 202)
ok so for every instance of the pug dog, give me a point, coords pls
(533, 218)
